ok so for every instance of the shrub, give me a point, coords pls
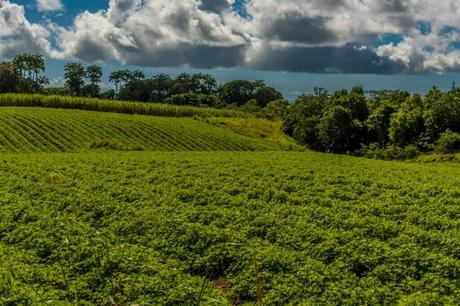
(275, 109)
(251, 106)
(448, 142)
(394, 152)
(391, 152)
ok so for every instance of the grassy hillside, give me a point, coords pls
(258, 128)
(192, 228)
(24, 130)
(152, 109)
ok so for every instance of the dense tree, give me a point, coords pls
(161, 87)
(391, 98)
(137, 90)
(122, 77)
(182, 84)
(378, 124)
(442, 112)
(94, 75)
(204, 84)
(193, 99)
(239, 92)
(9, 80)
(355, 101)
(28, 69)
(335, 130)
(406, 125)
(75, 75)
(116, 77)
(301, 118)
(266, 94)
(395, 121)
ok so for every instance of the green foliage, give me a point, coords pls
(275, 110)
(193, 99)
(301, 119)
(162, 228)
(251, 106)
(94, 75)
(378, 124)
(448, 142)
(391, 152)
(75, 75)
(407, 124)
(239, 92)
(382, 124)
(25, 130)
(23, 74)
(9, 80)
(354, 101)
(133, 86)
(442, 113)
(335, 130)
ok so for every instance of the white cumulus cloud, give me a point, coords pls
(49, 5)
(17, 34)
(344, 36)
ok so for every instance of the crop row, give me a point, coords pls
(25, 130)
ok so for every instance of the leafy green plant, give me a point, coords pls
(162, 228)
(448, 142)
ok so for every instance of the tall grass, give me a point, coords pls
(125, 107)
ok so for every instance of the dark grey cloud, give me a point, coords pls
(295, 27)
(91, 50)
(215, 6)
(351, 58)
(196, 56)
(394, 6)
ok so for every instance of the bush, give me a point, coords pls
(392, 152)
(448, 142)
(275, 109)
(395, 152)
(251, 106)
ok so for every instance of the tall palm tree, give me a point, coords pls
(75, 77)
(94, 75)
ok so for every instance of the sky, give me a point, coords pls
(294, 45)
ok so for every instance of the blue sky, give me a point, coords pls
(293, 45)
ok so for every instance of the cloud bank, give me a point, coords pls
(335, 36)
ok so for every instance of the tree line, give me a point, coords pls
(382, 124)
(24, 74)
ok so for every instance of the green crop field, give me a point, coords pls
(85, 222)
(184, 228)
(29, 129)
